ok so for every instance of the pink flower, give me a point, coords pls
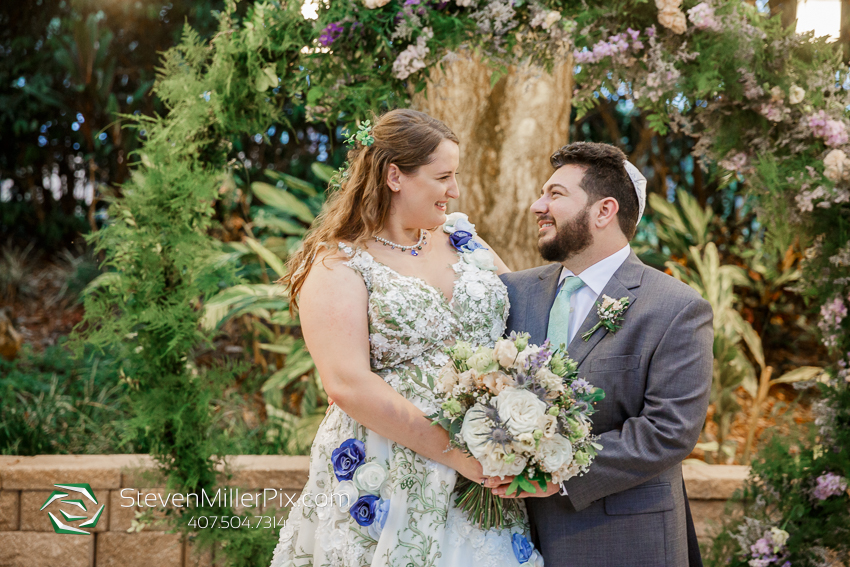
(702, 16)
(833, 132)
(829, 484)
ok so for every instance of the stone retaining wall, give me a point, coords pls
(129, 535)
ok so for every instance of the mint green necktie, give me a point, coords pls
(559, 316)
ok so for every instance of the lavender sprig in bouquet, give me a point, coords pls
(521, 410)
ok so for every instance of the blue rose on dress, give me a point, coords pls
(381, 512)
(523, 550)
(460, 238)
(347, 457)
(364, 510)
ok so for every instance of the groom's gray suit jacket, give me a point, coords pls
(629, 509)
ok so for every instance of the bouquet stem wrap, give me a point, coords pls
(485, 509)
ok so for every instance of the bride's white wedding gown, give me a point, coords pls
(410, 323)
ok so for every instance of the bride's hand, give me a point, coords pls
(470, 468)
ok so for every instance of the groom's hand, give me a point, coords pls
(502, 491)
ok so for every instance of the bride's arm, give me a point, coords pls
(333, 307)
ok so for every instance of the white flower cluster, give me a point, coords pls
(671, 16)
(412, 59)
(517, 408)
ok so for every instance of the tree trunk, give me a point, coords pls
(788, 9)
(844, 34)
(507, 134)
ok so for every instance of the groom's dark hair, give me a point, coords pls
(604, 176)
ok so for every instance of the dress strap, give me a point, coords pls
(360, 261)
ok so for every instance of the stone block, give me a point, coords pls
(714, 482)
(41, 472)
(10, 502)
(709, 515)
(116, 549)
(269, 471)
(34, 549)
(34, 519)
(193, 557)
(121, 511)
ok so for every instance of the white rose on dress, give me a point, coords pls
(475, 430)
(796, 94)
(369, 477)
(481, 258)
(505, 352)
(345, 495)
(451, 221)
(520, 410)
(476, 290)
(372, 4)
(555, 453)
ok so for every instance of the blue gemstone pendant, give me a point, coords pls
(414, 253)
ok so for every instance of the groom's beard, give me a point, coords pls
(571, 237)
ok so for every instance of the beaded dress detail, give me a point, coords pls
(410, 324)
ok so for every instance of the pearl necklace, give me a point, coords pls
(423, 234)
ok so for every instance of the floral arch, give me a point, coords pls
(761, 101)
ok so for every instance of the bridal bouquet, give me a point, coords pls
(521, 410)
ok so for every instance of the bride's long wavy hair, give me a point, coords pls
(360, 207)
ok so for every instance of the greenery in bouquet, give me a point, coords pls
(522, 411)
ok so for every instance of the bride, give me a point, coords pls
(381, 290)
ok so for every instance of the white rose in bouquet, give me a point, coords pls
(520, 410)
(498, 381)
(551, 381)
(549, 427)
(525, 442)
(525, 355)
(482, 360)
(447, 379)
(495, 462)
(505, 352)
(476, 430)
(555, 453)
(369, 477)
(468, 380)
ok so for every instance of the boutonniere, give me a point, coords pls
(610, 312)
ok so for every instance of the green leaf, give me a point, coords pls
(282, 201)
(270, 258)
(802, 374)
(322, 171)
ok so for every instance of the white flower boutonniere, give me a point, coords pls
(610, 312)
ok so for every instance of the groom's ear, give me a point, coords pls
(606, 212)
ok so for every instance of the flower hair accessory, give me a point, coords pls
(610, 312)
(363, 136)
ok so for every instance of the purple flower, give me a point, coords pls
(364, 510)
(828, 485)
(330, 34)
(460, 238)
(347, 457)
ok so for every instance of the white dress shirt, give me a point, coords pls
(595, 279)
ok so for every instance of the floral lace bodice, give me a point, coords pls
(411, 322)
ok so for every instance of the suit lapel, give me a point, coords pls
(626, 278)
(540, 302)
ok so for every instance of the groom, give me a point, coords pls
(630, 509)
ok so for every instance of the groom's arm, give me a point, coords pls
(675, 403)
